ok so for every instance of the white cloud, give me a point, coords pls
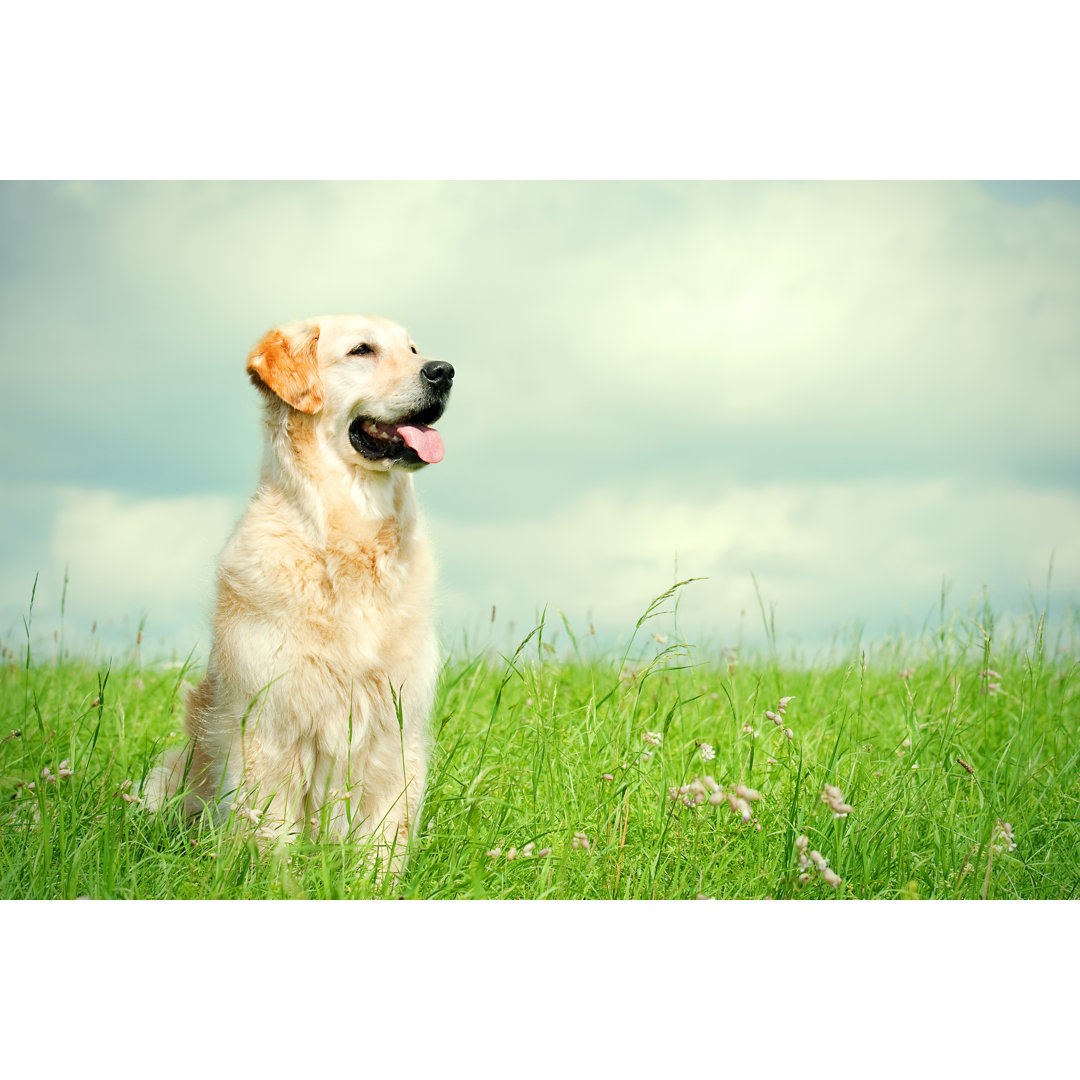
(826, 555)
(128, 556)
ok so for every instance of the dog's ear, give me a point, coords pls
(286, 361)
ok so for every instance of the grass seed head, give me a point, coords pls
(830, 878)
(833, 797)
(1003, 837)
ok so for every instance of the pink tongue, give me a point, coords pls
(426, 441)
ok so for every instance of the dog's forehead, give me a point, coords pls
(349, 330)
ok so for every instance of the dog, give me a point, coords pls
(312, 717)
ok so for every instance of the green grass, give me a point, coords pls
(927, 752)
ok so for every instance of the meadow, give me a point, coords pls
(943, 766)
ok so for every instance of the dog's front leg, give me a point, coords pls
(270, 793)
(393, 796)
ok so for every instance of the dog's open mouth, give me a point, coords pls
(411, 441)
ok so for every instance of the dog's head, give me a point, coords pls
(373, 393)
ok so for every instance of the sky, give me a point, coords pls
(848, 393)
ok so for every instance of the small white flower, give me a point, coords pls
(494, 853)
(659, 639)
(706, 751)
(653, 738)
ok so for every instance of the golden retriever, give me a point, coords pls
(312, 715)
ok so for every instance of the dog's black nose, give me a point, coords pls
(439, 373)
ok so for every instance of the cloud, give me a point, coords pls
(129, 557)
(817, 551)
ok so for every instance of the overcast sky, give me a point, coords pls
(850, 391)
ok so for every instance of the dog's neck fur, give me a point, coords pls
(337, 503)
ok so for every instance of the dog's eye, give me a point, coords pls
(363, 349)
(413, 347)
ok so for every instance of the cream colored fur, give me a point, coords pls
(323, 613)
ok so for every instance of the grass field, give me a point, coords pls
(943, 767)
